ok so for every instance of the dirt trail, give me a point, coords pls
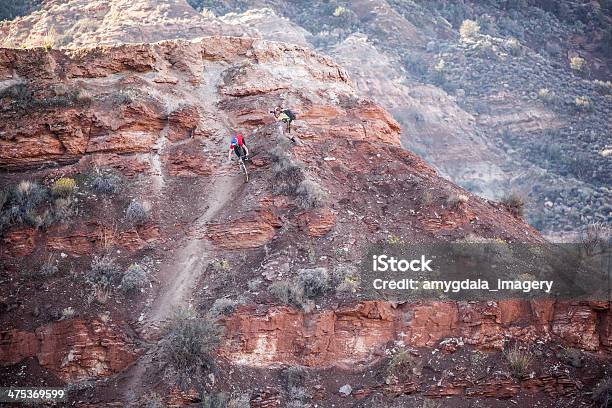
(180, 273)
(190, 260)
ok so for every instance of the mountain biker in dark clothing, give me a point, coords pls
(238, 147)
(286, 116)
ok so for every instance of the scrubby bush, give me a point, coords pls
(153, 400)
(287, 174)
(595, 235)
(394, 240)
(603, 87)
(68, 313)
(578, 64)
(294, 379)
(185, 350)
(21, 204)
(402, 366)
(239, 401)
(518, 361)
(314, 282)
(63, 187)
(602, 393)
(515, 203)
(222, 307)
(309, 194)
(215, 400)
(513, 46)
(103, 183)
(134, 279)
(288, 293)
(546, 95)
(455, 200)
(102, 271)
(48, 268)
(469, 29)
(137, 213)
(438, 75)
(62, 209)
(583, 104)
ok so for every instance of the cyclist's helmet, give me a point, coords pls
(234, 141)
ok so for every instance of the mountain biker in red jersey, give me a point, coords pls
(238, 147)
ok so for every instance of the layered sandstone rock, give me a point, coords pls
(360, 333)
(72, 349)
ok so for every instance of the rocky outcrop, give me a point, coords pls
(110, 23)
(78, 239)
(359, 334)
(251, 231)
(72, 349)
(317, 223)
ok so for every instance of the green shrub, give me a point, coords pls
(602, 393)
(49, 39)
(294, 378)
(603, 87)
(62, 209)
(222, 307)
(185, 350)
(102, 271)
(455, 200)
(288, 293)
(402, 366)
(583, 104)
(134, 279)
(21, 205)
(104, 183)
(309, 194)
(578, 64)
(63, 187)
(514, 46)
(314, 282)
(518, 361)
(67, 313)
(546, 96)
(48, 268)
(515, 203)
(137, 213)
(215, 400)
(239, 401)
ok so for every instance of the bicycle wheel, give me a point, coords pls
(244, 170)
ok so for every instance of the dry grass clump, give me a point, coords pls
(519, 360)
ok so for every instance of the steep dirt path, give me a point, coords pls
(181, 273)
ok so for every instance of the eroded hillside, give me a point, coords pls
(120, 207)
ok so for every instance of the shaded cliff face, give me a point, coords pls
(159, 117)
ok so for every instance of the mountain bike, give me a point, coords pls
(242, 165)
(244, 169)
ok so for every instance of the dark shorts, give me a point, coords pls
(239, 150)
